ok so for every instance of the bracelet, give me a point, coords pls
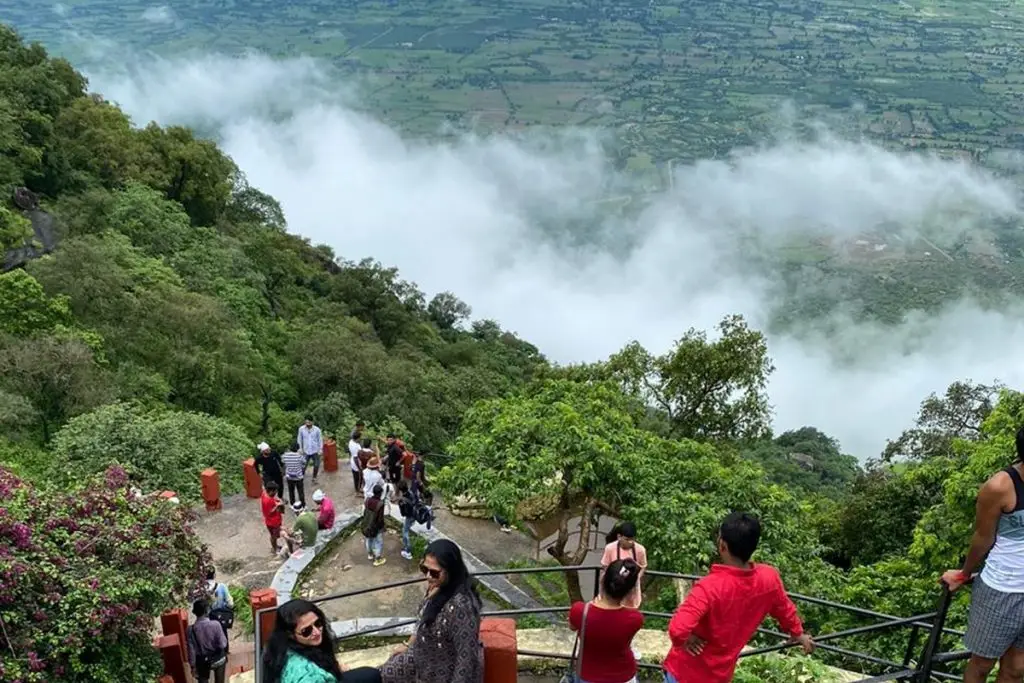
(963, 577)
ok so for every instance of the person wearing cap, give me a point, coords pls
(371, 477)
(325, 509)
(269, 465)
(304, 529)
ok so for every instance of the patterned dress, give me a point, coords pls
(447, 651)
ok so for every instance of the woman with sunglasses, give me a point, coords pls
(301, 649)
(445, 648)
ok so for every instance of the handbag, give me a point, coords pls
(573, 674)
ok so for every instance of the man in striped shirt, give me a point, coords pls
(294, 470)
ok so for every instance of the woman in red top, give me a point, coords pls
(605, 654)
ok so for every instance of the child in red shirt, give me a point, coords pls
(724, 609)
(272, 506)
(604, 650)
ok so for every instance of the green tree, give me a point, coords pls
(448, 311)
(15, 229)
(161, 449)
(25, 310)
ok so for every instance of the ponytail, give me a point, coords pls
(627, 529)
(620, 579)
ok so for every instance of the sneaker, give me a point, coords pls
(406, 554)
(369, 556)
(379, 561)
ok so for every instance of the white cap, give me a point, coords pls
(318, 495)
(263, 446)
(297, 506)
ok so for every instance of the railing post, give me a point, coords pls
(911, 645)
(597, 582)
(257, 664)
(928, 655)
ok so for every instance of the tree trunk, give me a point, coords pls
(265, 410)
(579, 555)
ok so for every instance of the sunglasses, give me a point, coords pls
(308, 631)
(432, 573)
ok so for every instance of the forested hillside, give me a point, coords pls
(177, 322)
(176, 286)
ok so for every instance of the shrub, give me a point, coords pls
(161, 449)
(83, 574)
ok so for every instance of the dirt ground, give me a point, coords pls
(240, 546)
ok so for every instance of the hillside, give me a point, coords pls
(673, 83)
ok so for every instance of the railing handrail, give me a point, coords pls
(929, 656)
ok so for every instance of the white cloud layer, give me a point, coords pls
(464, 216)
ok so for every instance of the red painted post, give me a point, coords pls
(501, 650)
(173, 655)
(253, 481)
(174, 622)
(211, 489)
(261, 599)
(330, 456)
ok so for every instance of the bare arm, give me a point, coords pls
(991, 499)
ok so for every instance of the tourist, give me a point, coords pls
(311, 444)
(222, 605)
(622, 544)
(357, 432)
(372, 477)
(294, 471)
(406, 506)
(419, 475)
(366, 452)
(995, 624)
(395, 450)
(406, 462)
(303, 533)
(354, 463)
(272, 506)
(301, 649)
(723, 609)
(373, 525)
(607, 626)
(207, 646)
(445, 647)
(325, 510)
(269, 465)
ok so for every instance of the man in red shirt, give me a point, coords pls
(724, 609)
(272, 506)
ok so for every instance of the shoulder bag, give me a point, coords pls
(573, 674)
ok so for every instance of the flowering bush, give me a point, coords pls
(83, 574)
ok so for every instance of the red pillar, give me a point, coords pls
(211, 489)
(174, 622)
(173, 654)
(253, 481)
(501, 650)
(330, 456)
(261, 599)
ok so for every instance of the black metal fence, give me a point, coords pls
(920, 669)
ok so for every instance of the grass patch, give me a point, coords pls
(243, 615)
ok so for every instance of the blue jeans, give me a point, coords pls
(669, 678)
(375, 545)
(312, 458)
(407, 523)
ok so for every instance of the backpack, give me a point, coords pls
(223, 615)
(422, 514)
(406, 507)
(370, 525)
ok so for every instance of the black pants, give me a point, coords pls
(293, 485)
(364, 674)
(357, 481)
(203, 672)
(395, 471)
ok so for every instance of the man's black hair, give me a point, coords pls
(211, 573)
(360, 424)
(200, 607)
(270, 486)
(309, 418)
(391, 435)
(1020, 445)
(741, 533)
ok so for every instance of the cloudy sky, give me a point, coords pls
(463, 216)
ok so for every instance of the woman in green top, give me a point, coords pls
(301, 649)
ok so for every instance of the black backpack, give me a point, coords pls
(406, 506)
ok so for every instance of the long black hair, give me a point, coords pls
(619, 579)
(282, 641)
(449, 557)
(627, 529)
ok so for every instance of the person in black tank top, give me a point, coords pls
(995, 627)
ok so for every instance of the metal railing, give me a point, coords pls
(923, 669)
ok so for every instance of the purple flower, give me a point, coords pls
(116, 477)
(22, 535)
(34, 663)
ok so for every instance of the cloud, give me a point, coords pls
(511, 225)
(159, 15)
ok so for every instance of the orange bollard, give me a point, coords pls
(173, 655)
(261, 599)
(167, 495)
(330, 455)
(253, 481)
(174, 622)
(501, 650)
(211, 489)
